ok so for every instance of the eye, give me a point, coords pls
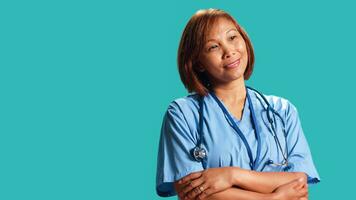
(233, 37)
(212, 47)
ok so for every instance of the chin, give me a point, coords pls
(234, 78)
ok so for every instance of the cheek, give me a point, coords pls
(242, 48)
(212, 60)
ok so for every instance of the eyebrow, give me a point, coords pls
(233, 29)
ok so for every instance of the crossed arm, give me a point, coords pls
(236, 183)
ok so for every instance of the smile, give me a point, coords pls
(233, 64)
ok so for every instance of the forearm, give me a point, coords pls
(234, 193)
(263, 182)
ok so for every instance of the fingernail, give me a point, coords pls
(300, 180)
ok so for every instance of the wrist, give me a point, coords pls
(236, 175)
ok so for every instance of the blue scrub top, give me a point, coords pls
(179, 134)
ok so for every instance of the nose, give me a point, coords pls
(228, 52)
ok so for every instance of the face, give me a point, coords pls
(224, 56)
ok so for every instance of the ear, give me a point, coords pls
(201, 68)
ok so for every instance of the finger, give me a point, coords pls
(304, 197)
(183, 186)
(203, 195)
(206, 193)
(294, 183)
(298, 183)
(179, 187)
(193, 193)
(305, 186)
(303, 192)
(181, 195)
(192, 185)
(191, 176)
(201, 189)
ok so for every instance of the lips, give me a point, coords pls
(233, 64)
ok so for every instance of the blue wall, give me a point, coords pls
(84, 86)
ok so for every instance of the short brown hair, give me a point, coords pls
(192, 43)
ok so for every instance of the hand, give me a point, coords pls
(181, 184)
(202, 184)
(294, 190)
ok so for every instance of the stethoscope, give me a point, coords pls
(199, 153)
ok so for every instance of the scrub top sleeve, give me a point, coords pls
(174, 160)
(300, 158)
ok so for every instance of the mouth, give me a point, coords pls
(233, 64)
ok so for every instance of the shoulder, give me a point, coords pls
(280, 104)
(183, 114)
(183, 111)
(184, 105)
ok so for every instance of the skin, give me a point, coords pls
(216, 183)
(294, 190)
(225, 45)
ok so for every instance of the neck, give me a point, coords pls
(231, 93)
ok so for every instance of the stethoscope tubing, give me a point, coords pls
(199, 152)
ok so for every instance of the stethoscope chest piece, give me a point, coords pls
(198, 153)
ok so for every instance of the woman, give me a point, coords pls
(226, 140)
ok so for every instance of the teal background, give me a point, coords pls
(84, 86)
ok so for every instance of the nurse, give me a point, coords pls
(250, 145)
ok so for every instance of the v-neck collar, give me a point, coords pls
(245, 112)
(234, 125)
